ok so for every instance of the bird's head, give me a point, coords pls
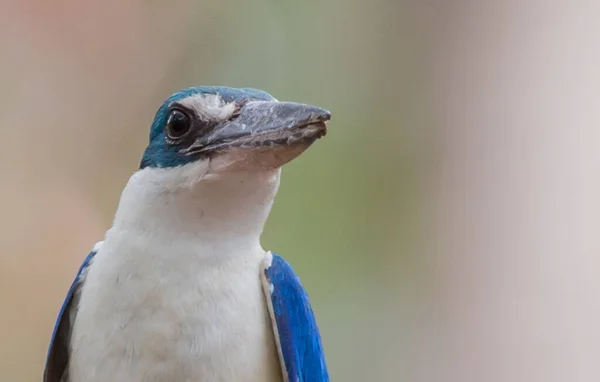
(214, 160)
(230, 130)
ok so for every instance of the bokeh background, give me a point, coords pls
(447, 227)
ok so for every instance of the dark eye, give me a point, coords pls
(178, 124)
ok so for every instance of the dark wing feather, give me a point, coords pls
(294, 324)
(58, 352)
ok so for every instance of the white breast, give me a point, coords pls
(174, 293)
(162, 314)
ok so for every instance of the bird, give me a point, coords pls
(180, 288)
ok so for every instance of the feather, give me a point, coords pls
(58, 352)
(294, 325)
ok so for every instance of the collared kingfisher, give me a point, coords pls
(180, 289)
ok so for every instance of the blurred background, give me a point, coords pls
(447, 227)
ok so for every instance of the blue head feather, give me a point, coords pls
(159, 153)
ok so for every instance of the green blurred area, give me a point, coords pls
(347, 215)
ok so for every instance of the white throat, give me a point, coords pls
(219, 212)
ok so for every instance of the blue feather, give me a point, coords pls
(58, 350)
(299, 339)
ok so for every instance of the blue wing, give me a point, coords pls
(58, 352)
(296, 332)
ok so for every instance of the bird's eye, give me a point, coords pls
(178, 125)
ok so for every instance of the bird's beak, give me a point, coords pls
(264, 124)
